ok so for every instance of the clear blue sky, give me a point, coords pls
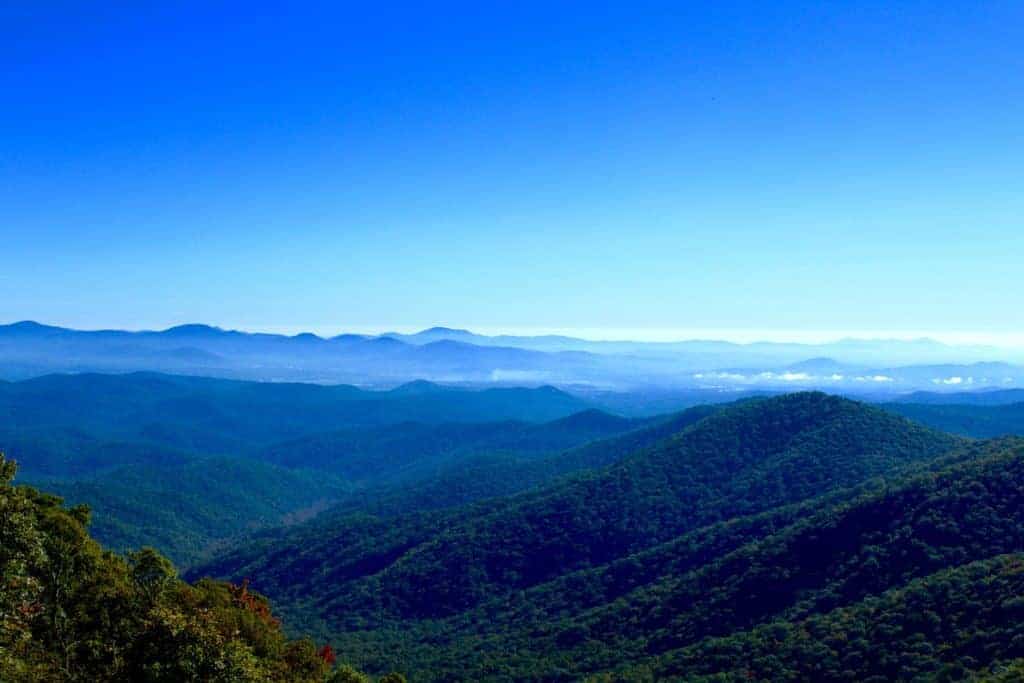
(789, 166)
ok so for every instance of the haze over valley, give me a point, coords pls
(452, 356)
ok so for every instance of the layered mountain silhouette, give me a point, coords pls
(447, 355)
(186, 462)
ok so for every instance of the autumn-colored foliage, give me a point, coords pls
(327, 654)
(253, 603)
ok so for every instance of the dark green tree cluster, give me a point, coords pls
(950, 626)
(71, 611)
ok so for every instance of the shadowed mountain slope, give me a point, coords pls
(742, 460)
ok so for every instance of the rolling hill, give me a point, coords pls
(917, 575)
(186, 510)
(792, 537)
(228, 417)
(397, 451)
(826, 574)
(187, 463)
(479, 474)
(981, 420)
(427, 572)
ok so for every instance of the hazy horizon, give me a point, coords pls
(646, 335)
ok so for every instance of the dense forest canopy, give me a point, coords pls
(693, 546)
(71, 611)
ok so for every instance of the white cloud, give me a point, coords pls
(875, 378)
(735, 376)
(732, 376)
(794, 377)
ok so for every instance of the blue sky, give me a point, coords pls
(652, 169)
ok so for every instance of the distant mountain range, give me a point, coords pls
(453, 356)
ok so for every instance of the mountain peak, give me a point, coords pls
(416, 387)
(193, 329)
(442, 331)
(29, 327)
(819, 364)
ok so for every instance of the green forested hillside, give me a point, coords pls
(980, 420)
(684, 608)
(739, 461)
(406, 572)
(142, 449)
(71, 452)
(71, 612)
(185, 510)
(405, 450)
(937, 626)
(798, 537)
(216, 416)
(956, 624)
(453, 481)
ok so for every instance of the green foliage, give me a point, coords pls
(399, 452)
(941, 628)
(70, 611)
(186, 510)
(693, 600)
(742, 460)
(474, 474)
(346, 674)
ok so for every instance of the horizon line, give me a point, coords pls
(646, 335)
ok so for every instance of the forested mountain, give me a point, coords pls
(806, 578)
(393, 451)
(187, 509)
(696, 546)
(71, 612)
(742, 460)
(843, 556)
(958, 624)
(980, 420)
(219, 416)
(67, 452)
(457, 481)
(185, 463)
